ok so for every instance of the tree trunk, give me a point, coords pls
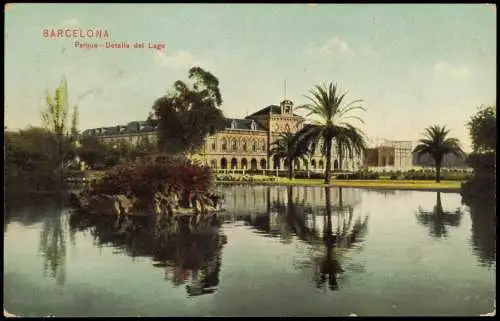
(438, 173)
(328, 143)
(290, 168)
(339, 149)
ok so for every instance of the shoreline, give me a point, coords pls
(370, 185)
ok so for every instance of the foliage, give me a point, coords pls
(187, 115)
(483, 129)
(436, 144)
(143, 180)
(92, 150)
(287, 147)
(332, 116)
(31, 158)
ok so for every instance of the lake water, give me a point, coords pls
(279, 251)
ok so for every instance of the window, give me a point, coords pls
(254, 147)
(213, 146)
(233, 144)
(245, 146)
(224, 144)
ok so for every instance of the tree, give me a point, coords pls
(287, 147)
(187, 115)
(349, 142)
(92, 150)
(436, 144)
(30, 157)
(55, 119)
(483, 129)
(332, 114)
(144, 147)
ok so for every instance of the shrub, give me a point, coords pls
(136, 179)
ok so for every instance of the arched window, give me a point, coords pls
(224, 144)
(234, 145)
(244, 145)
(254, 146)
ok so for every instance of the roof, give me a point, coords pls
(242, 124)
(271, 109)
(137, 127)
(134, 127)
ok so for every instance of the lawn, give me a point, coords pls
(379, 184)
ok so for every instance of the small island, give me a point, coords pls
(167, 189)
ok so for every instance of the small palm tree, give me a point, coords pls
(436, 144)
(327, 105)
(287, 147)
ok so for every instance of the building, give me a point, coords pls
(243, 144)
(391, 155)
(131, 133)
(449, 161)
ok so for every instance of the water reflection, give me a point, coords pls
(190, 254)
(53, 244)
(48, 211)
(336, 244)
(483, 238)
(307, 214)
(438, 220)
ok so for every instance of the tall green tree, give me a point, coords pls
(437, 144)
(330, 118)
(483, 129)
(55, 119)
(287, 147)
(187, 115)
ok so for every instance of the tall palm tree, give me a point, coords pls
(436, 144)
(332, 115)
(287, 147)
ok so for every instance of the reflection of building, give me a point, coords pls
(243, 144)
(243, 202)
(392, 154)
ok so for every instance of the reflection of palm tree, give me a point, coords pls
(335, 244)
(53, 245)
(438, 219)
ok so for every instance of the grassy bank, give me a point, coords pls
(427, 185)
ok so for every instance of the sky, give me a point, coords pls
(412, 65)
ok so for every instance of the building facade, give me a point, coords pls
(390, 155)
(243, 144)
(449, 161)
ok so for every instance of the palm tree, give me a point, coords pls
(287, 147)
(349, 144)
(327, 105)
(436, 144)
